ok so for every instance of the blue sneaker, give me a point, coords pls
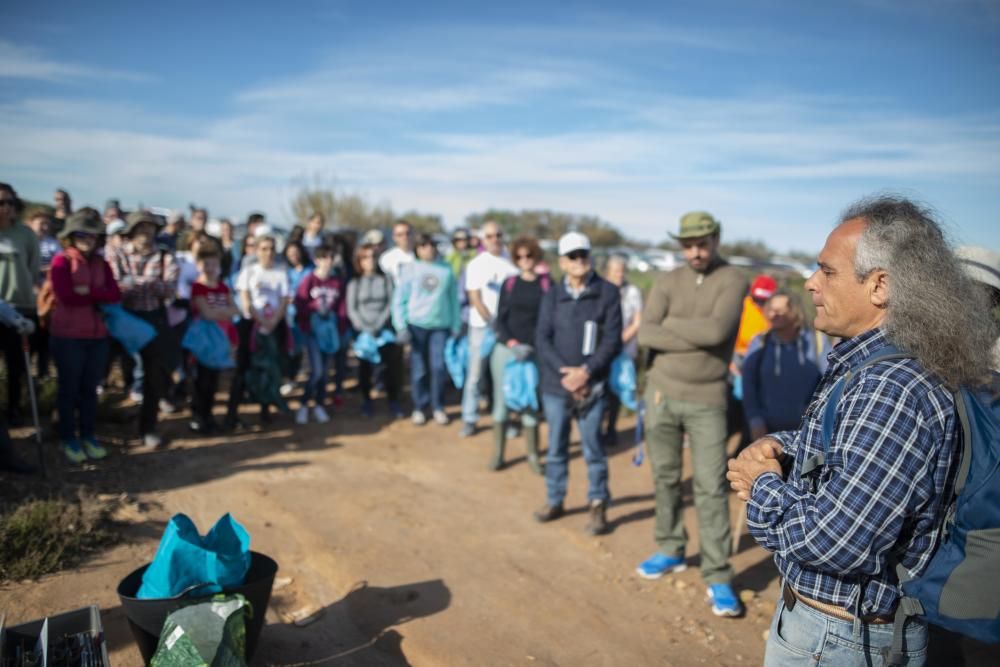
(658, 565)
(724, 600)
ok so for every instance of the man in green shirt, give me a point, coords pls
(689, 324)
(19, 265)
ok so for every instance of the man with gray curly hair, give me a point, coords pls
(877, 498)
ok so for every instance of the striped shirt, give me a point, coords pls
(153, 277)
(882, 493)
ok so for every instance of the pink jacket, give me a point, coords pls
(77, 315)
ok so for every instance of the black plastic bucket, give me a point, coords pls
(146, 617)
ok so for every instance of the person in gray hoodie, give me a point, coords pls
(369, 308)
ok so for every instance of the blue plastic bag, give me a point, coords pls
(184, 559)
(324, 329)
(134, 333)
(489, 340)
(209, 344)
(520, 385)
(456, 359)
(622, 380)
(366, 346)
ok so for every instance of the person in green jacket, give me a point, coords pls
(19, 265)
(424, 312)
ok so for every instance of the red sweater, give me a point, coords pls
(76, 315)
(314, 293)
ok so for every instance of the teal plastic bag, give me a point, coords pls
(134, 333)
(324, 329)
(456, 359)
(208, 343)
(184, 559)
(211, 634)
(520, 385)
(623, 381)
(366, 346)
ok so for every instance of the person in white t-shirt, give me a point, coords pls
(484, 277)
(263, 297)
(393, 261)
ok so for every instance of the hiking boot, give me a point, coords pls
(549, 513)
(93, 450)
(499, 440)
(724, 601)
(598, 522)
(319, 414)
(302, 416)
(531, 438)
(73, 452)
(418, 417)
(660, 564)
(441, 417)
(468, 430)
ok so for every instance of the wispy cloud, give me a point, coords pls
(23, 62)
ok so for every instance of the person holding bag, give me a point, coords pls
(81, 281)
(147, 277)
(320, 296)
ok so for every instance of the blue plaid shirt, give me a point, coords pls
(882, 492)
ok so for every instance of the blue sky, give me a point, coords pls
(772, 115)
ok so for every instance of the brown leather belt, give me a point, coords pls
(792, 597)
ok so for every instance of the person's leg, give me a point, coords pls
(706, 427)
(609, 435)
(153, 386)
(664, 439)
(589, 424)
(316, 375)
(470, 392)
(439, 371)
(70, 361)
(392, 362)
(557, 415)
(326, 360)
(96, 354)
(10, 341)
(340, 366)
(420, 367)
(365, 379)
(499, 358)
(243, 329)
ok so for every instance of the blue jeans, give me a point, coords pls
(80, 365)
(805, 636)
(470, 391)
(428, 375)
(558, 414)
(319, 370)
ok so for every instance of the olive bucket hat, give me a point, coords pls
(85, 221)
(697, 224)
(136, 218)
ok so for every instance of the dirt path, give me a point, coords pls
(413, 553)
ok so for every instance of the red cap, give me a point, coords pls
(763, 287)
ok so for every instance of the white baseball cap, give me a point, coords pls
(116, 226)
(573, 241)
(981, 264)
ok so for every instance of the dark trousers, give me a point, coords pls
(392, 362)
(614, 406)
(244, 329)
(40, 348)
(206, 382)
(10, 344)
(156, 373)
(79, 364)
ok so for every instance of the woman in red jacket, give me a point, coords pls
(81, 281)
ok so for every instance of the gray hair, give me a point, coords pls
(934, 310)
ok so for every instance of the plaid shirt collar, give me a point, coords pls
(851, 353)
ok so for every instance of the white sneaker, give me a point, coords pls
(441, 417)
(286, 389)
(418, 417)
(135, 396)
(319, 414)
(302, 415)
(151, 441)
(166, 407)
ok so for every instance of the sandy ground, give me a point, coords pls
(411, 552)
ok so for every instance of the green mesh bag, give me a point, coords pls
(212, 633)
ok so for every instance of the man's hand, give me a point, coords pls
(574, 378)
(403, 336)
(767, 447)
(752, 462)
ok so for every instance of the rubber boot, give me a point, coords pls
(531, 437)
(499, 440)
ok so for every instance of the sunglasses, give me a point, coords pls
(521, 256)
(578, 255)
(8, 202)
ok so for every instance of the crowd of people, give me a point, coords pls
(714, 340)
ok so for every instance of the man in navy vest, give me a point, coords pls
(839, 521)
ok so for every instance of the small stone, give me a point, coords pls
(747, 596)
(680, 585)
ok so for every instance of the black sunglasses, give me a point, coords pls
(578, 255)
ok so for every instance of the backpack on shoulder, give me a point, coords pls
(960, 589)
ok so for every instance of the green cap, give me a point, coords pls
(135, 218)
(85, 220)
(697, 224)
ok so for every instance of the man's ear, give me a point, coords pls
(878, 288)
